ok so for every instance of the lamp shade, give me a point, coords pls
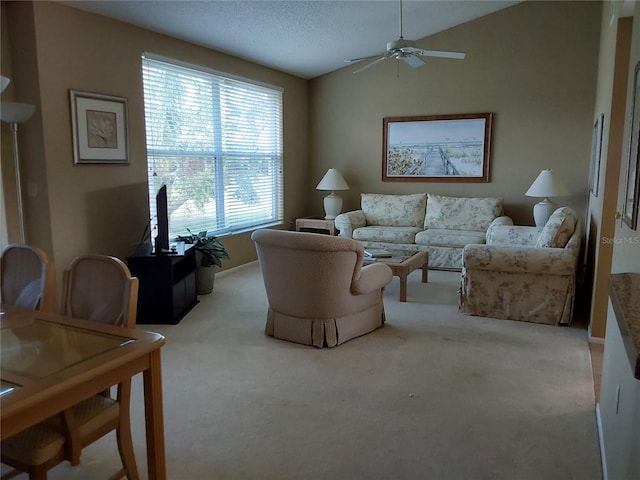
(332, 180)
(12, 112)
(4, 81)
(547, 185)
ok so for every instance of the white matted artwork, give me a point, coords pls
(99, 124)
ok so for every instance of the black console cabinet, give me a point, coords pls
(167, 284)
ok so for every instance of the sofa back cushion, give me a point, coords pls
(461, 213)
(393, 210)
(558, 229)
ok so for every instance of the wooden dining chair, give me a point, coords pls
(98, 288)
(26, 278)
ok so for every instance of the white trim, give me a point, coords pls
(603, 455)
(227, 271)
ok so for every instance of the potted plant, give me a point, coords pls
(209, 253)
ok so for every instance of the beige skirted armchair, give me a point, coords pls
(524, 273)
(318, 291)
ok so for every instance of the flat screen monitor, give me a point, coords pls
(162, 211)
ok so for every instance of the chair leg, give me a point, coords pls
(38, 473)
(13, 473)
(127, 455)
(123, 432)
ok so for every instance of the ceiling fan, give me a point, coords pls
(406, 50)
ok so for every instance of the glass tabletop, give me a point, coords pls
(7, 387)
(392, 256)
(42, 348)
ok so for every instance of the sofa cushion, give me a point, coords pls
(393, 210)
(448, 238)
(385, 234)
(558, 229)
(461, 213)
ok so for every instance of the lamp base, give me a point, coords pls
(542, 211)
(332, 206)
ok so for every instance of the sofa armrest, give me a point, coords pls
(514, 235)
(520, 259)
(498, 221)
(372, 277)
(347, 222)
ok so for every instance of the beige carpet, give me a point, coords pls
(432, 395)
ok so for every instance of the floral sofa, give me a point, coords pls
(524, 273)
(439, 224)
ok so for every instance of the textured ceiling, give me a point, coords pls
(304, 38)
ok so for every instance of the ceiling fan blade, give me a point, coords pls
(413, 61)
(354, 60)
(439, 53)
(369, 65)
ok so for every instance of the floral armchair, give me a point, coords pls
(524, 273)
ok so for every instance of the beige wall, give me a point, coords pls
(533, 65)
(101, 208)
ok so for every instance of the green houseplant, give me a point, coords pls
(209, 253)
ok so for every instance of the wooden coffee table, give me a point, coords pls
(402, 263)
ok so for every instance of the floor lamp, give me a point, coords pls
(13, 114)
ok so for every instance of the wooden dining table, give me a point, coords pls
(51, 362)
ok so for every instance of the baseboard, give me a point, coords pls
(603, 457)
(237, 267)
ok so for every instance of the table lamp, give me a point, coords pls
(545, 185)
(13, 114)
(332, 180)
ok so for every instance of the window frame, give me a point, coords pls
(219, 155)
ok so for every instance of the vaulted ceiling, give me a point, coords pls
(301, 37)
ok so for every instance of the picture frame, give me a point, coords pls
(630, 207)
(100, 128)
(596, 154)
(437, 148)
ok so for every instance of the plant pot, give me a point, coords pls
(205, 277)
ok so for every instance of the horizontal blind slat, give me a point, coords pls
(216, 142)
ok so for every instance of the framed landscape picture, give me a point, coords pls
(99, 124)
(630, 210)
(436, 148)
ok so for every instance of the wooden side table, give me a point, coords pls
(316, 225)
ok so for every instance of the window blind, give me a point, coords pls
(216, 142)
